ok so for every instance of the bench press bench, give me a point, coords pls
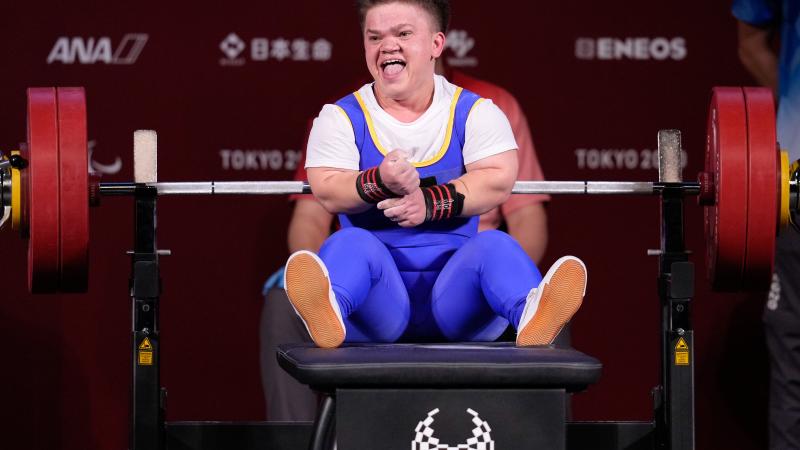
(440, 396)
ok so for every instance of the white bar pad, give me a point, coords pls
(145, 156)
(670, 164)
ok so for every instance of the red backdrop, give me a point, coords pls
(230, 88)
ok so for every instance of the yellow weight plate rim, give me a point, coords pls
(16, 196)
(783, 218)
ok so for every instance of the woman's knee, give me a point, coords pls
(494, 240)
(350, 240)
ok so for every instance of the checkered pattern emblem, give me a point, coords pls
(425, 440)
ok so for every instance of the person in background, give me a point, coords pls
(769, 47)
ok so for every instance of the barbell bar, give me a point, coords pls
(302, 187)
(748, 189)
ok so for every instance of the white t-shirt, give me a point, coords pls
(332, 141)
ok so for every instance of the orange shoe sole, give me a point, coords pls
(560, 300)
(308, 288)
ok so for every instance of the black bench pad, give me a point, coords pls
(450, 365)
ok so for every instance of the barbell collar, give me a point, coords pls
(5, 195)
(5, 188)
(794, 201)
(5, 214)
(299, 187)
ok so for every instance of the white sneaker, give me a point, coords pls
(553, 303)
(308, 287)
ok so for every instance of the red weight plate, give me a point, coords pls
(74, 190)
(726, 158)
(42, 181)
(763, 193)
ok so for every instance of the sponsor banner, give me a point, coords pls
(237, 51)
(95, 50)
(631, 48)
(259, 159)
(619, 159)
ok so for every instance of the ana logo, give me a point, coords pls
(425, 440)
(635, 48)
(68, 50)
(460, 43)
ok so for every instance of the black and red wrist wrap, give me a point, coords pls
(442, 202)
(370, 187)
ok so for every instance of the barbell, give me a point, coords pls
(747, 188)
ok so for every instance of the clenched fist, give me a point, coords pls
(398, 174)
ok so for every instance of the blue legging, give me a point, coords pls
(456, 288)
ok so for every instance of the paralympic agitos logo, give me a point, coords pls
(460, 43)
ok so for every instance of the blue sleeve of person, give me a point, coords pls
(274, 280)
(757, 12)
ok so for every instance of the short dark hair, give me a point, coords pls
(438, 9)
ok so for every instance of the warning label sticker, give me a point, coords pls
(681, 353)
(145, 345)
(145, 353)
(145, 358)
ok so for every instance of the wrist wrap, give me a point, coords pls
(370, 187)
(442, 202)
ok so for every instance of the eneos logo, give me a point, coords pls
(632, 48)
